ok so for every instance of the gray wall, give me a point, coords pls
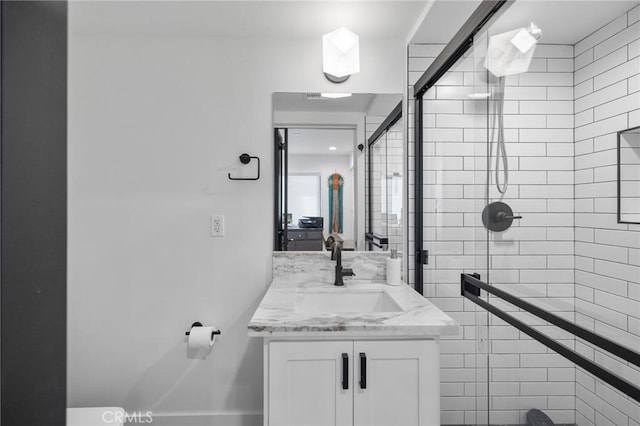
(33, 269)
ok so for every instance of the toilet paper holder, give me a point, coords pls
(199, 324)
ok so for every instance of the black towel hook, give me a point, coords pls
(245, 159)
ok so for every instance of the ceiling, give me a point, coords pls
(306, 19)
(444, 19)
(318, 141)
(562, 21)
(266, 18)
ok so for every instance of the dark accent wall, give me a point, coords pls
(33, 212)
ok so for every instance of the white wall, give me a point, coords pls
(325, 166)
(155, 124)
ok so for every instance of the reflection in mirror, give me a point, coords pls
(304, 194)
(384, 184)
(629, 176)
(320, 160)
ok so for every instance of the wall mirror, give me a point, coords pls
(321, 168)
(629, 176)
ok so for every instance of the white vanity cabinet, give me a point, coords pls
(352, 382)
(363, 354)
(303, 383)
(402, 383)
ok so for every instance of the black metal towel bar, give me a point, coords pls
(470, 286)
(376, 240)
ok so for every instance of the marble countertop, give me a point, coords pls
(277, 316)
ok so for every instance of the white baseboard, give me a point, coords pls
(212, 419)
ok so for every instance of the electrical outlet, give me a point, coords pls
(217, 225)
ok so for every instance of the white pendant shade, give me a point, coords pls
(340, 53)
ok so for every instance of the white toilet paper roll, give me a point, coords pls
(201, 338)
(393, 271)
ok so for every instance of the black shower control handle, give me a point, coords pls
(498, 216)
(504, 216)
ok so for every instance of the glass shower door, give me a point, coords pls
(556, 104)
(520, 189)
(454, 123)
(529, 219)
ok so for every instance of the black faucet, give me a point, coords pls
(336, 254)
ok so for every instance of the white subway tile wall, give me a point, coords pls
(534, 259)
(607, 99)
(567, 254)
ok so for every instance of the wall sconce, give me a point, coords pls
(340, 55)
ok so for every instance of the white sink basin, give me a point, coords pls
(345, 301)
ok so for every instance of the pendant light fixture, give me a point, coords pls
(340, 55)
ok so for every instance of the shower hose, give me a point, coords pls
(498, 133)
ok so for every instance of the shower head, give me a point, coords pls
(511, 52)
(534, 30)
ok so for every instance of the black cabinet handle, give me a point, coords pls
(345, 370)
(363, 370)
